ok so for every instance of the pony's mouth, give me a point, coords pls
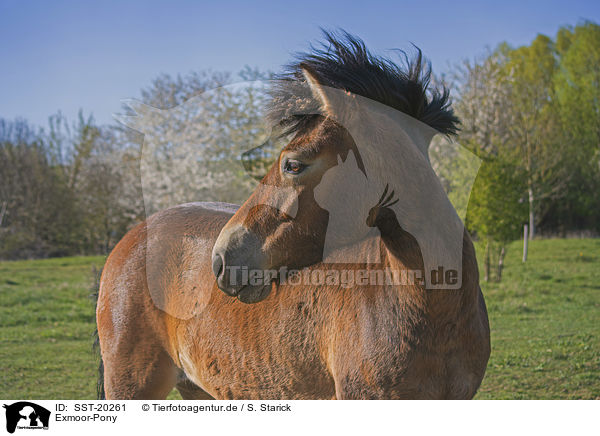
(253, 294)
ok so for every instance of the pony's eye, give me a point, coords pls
(292, 166)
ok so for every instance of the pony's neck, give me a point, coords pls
(400, 249)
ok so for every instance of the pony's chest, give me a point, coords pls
(279, 362)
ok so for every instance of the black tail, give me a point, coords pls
(100, 394)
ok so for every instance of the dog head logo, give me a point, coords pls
(26, 415)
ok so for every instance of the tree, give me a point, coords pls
(530, 70)
(577, 92)
(193, 151)
(483, 105)
(39, 209)
(495, 201)
(497, 208)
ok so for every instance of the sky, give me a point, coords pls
(71, 55)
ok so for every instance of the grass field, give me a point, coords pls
(544, 318)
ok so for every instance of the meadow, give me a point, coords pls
(544, 319)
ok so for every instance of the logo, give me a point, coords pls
(26, 415)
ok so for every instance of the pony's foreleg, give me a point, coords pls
(139, 373)
(136, 364)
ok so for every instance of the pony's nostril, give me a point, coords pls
(217, 265)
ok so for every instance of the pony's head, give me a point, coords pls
(340, 106)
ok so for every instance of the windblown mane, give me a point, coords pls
(344, 62)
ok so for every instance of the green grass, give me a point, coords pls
(46, 327)
(544, 319)
(545, 323)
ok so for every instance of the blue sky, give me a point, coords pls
(69, 55)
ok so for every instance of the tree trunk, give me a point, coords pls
(486, 261)
(500, 263)
(2, 212)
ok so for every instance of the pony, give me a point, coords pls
(345, 275)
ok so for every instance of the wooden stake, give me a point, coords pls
(525, 242)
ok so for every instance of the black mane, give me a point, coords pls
(344, 62)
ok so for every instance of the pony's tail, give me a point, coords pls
(100, 394)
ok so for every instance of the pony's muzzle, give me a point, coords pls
(228, 280)
(217, 266)
(235, 254)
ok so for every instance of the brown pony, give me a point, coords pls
(174, 303)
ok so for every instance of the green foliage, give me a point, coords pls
(497, 207)
(577, 89)
(537, 109)
(577, 83)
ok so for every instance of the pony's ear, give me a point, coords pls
(318, 91)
